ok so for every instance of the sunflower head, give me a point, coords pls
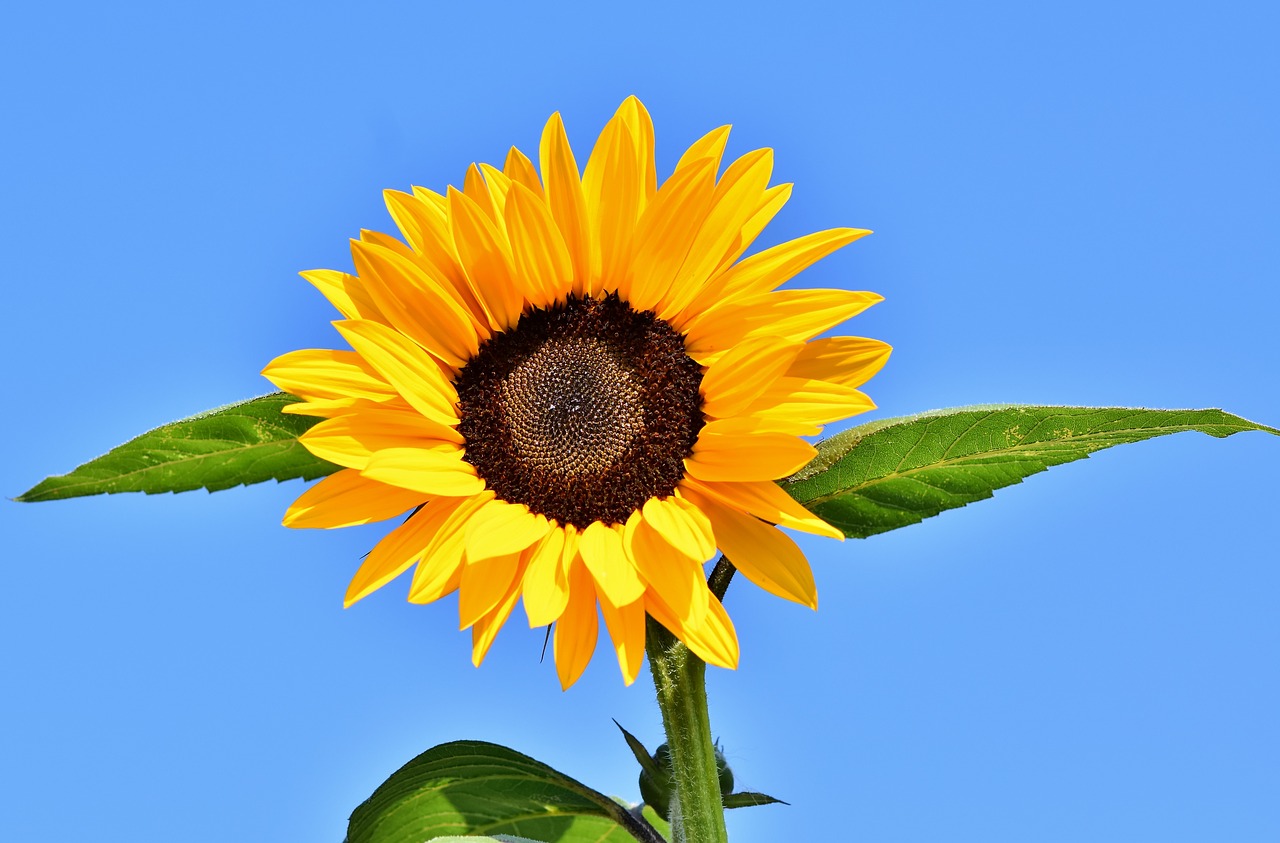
(580, 391)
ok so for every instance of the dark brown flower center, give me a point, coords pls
(582, 411)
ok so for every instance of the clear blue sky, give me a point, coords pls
(1073, 204)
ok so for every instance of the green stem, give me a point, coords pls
(697, 812)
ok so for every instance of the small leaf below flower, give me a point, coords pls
(749, 799)
(643, 758)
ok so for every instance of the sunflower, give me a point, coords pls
(580, 392)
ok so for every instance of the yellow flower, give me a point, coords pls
(581, 392)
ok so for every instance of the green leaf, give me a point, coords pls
(749, 799)
(643, 758)
(472, 787)
(663, 827)
(892, 473)
(238, 444)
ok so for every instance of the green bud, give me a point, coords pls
(656, 789)
(724, 773)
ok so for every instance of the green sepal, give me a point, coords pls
(643, 758)
(749, 799)
(473, 787)
(896, 472)
(239, 444)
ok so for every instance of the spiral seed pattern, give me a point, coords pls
(582, 411)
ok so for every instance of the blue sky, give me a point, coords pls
(1072, 204)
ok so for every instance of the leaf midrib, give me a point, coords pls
(115, 478)
(1028, 448)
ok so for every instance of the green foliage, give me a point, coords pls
(243, 443)
(472, 787)
(750, 799)
(663, 827)
(657, 782)
(892, 473)
(641, 753)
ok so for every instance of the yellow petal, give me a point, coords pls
(327, 408)
(673, 574)
(537, 247)
(425, 224)
(485, 257)
(718, 637)
(485, 582)
(714, 641)
(520, 169)
(429, 472)
(386, 241)
(613, 186)
(747, 456)
(416, 304)
(769, 269)
(321, 373)
(576, 630)
(565, 198)
(626, 628)
(345, 292)
(664, 234)
(485, 630)
(401, 548)
(684, 528)
(502, 528)
(765, 500)
(345, 499)
(499, 185)
(790, 314)
(603, 554)
(431, 198)
(736, 198)
(709, 148)
(636, 118)
(440, 570)
(771, 202)
(352, 440)
(847, 361)
(546, 585)
(764, 554)
(809, 401)
(748, 424)
(416, 376)
(738, 378)
(477, 191)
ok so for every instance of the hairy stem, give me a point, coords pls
(697, 812)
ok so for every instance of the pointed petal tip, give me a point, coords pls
(391, 196)
(354, 595)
